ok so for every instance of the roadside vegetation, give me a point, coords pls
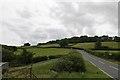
(73, 62)
(46, 69)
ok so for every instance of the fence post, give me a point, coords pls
(31, 71)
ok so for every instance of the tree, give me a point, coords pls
(73, 62)
(7, 55)
(63, 43)
(26, 44)
(98, 44)
(117, 39)
(26, 57)
(105, 38)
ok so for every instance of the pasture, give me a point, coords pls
(49, 45)
(45, 51)
(89, 45)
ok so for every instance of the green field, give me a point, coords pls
(48, 51)
(89, 45)
(113, 45)
(45, 51)
(85, 45)
(49, 45)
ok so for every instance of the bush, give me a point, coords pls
(27, 44)
(7, 55)
(73, 62)
(106, 55)
(25, 57)
(98, 45)
(63, 43)
(11, 48)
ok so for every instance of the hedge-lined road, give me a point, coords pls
(106, 66)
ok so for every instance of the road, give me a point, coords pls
(107, 67)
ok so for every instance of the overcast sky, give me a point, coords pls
(44, 20)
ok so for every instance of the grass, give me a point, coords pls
(88, 45)
(90, 73)
(48, 51)
(43, 71)
(50, 45)
(45, 51)
(113, 45)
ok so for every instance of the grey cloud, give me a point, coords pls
(25, 13)
(56, 33)
(86, 15)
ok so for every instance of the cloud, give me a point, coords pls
(25, 13)
(41, 21)
(87, 15)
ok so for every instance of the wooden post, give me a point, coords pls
(31, 71)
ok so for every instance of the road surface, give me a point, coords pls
(107, 67)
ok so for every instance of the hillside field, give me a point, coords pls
(89, 45)
(45, 51)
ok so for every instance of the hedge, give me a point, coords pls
(106, 55)
(73, 62)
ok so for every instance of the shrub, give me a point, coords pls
(73, 62)
(25, 57)
(27, 44)
(106, 55)
(98, 45)
(63, 43)
(7, 55)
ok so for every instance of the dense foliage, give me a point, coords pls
(98, 45)
(73, 62)
(7, 55)
(85, 39)
(10, 48)
(106, 55)
(63, 43)
(27, 44)
(26, 57)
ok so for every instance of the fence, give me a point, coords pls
(24, 72)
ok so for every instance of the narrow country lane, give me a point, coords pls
(107, 67)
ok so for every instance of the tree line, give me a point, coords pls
(85, 38)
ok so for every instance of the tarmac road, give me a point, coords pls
(107, 67)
